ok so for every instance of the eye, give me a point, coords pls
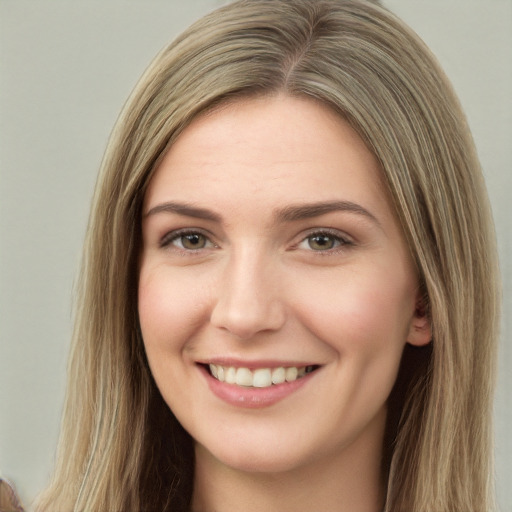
(187, 240)
(192, 241)
(323, 242)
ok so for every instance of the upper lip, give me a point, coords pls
(260, 363)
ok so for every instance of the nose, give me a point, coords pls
(248, 299)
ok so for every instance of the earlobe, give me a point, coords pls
(420, 330)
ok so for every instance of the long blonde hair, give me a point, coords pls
(121, 448)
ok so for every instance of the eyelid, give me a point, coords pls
(345, 241)
(167, 240)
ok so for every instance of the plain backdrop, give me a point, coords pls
(66, 68)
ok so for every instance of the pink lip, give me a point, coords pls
(253, 398)
(252, 365)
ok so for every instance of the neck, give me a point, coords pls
(350, 482)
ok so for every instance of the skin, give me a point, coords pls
(336, 289)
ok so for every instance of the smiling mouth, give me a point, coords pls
(260, 377)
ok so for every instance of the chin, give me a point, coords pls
(257, 454)
(260, 462)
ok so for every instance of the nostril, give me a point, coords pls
(246, 306)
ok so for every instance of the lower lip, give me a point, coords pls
(253, 398)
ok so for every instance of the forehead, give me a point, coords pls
(268, 151)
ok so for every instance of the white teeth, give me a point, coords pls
(278, 375)
(262, 378)
(230, 375)
(244, 377)
(291, 374)
(259, 378)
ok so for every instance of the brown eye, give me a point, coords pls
(325, 242)
(322, 242)
(191, 241)
(186, 241)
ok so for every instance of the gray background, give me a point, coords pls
(66, 68)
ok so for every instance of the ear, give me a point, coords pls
(420, 329)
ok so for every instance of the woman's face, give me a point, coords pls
(276, 291)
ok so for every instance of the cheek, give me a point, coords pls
(170, 309)
(170, 314)
(365, 319)
(358, 310)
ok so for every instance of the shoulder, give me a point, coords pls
(9, 501)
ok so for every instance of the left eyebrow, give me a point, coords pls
(307, 211)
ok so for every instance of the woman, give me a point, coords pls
(289, 289)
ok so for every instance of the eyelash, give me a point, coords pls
(342, 242)
(168, 239)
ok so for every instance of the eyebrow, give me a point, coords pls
(186, 209)
(290, 213)
(299, 212)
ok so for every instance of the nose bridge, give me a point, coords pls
(249, 299)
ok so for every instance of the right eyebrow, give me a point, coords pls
(186, 209)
